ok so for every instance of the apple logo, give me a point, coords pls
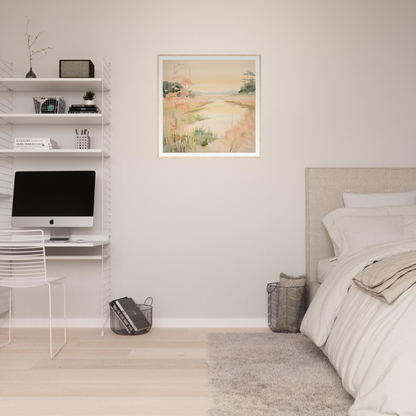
(51, 222)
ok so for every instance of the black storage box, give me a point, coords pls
(75, 68)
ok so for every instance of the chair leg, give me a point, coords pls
(50, 321)
(63, 285)
(10, 319)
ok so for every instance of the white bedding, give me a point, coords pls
(325, 267)
(371, 344)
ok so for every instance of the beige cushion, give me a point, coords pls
(292, 290)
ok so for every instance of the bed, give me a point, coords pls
(370, 343)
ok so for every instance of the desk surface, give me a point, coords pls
(77, 252)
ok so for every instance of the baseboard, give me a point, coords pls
(157, 323)
(210, 323)
(44, 323)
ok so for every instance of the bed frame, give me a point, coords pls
(324, 189)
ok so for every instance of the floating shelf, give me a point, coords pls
(82, 153)
(75, 244)
(52, 84)
(81, 257)
(52, 119)
(60, 244)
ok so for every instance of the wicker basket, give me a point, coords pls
(280, 319)
(117, 326)
(49, 105)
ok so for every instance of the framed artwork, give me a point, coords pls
(209, 105)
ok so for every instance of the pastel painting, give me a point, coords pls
(209, 106)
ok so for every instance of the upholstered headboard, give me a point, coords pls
(324, 189)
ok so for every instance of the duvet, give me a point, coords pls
(371, 344)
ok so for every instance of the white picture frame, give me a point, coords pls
(208, 106)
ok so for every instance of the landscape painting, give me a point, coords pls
(209, 106)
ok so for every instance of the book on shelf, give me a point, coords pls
(82, 108)
(121, 317)
(34, 147)
(35, 144)
(133, 314)
(35, 139)
(84, 112)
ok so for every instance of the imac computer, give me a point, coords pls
(54, 199)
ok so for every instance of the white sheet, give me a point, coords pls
(371, 344)
(325, 267)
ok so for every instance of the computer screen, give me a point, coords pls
(53, 199)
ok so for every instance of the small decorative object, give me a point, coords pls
(71, 68)
(82, 141)
(209, 105)
(30, 42)
(89, 98)
(49, 105)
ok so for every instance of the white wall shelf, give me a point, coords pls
(72, 244)
(80, 257)
(84, 153)
(52, 84)
(61, 119)
(12, 123)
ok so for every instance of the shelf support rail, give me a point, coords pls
(6, 69)
(6, 95)
(6, 102)
(106, 75)
(106, 191)
(6, 167)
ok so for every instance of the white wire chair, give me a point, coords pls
(23, 265)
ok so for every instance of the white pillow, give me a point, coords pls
(333, 218)
(379, 200)
(352, 233)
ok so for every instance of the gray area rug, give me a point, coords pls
(272, 374)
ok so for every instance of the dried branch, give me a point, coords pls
(31, 41)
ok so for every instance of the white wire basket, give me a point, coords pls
(49, 105)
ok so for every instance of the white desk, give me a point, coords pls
(72, 250)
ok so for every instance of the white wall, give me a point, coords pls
(204, 236)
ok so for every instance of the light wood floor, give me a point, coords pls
(162, 373)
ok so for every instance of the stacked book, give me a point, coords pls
(130, 315)
(35, 144)
(83, 109)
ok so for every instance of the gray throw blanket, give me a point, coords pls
(389, 278)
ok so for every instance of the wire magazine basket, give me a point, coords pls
(286, 307)
(49, 105)
(119, 328)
